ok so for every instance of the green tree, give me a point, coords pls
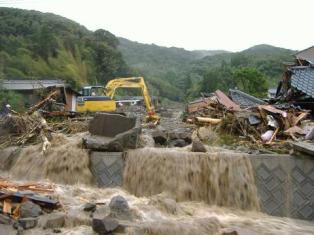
(252, 81)
(12, 98)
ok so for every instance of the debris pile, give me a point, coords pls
(37, 124)
(22, 204)
(249, 118)
(21, 129)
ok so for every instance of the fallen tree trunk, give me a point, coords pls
(41, 103)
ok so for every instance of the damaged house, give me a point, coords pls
(263, 122)
(34, 91)
(297, 85)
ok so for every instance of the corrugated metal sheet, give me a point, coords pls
(302, 78)
(29, 84)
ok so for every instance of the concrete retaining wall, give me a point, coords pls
(107, 167)
(285, 183)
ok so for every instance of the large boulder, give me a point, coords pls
(146, 140)
(119, 208)
(53, 220)
(30, 209)
(159, 136)
(106, 225)
(4, 219)
(25, 223)
(198, 146)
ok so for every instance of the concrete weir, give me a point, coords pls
(285, 184)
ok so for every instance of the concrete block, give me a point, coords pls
(109, 125)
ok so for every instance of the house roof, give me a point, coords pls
(306, 54)
(30, 84)
(302, 78)
(243, 99)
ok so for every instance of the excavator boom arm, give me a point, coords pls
(132, 82)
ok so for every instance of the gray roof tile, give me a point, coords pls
(303, 79)
(243, 99)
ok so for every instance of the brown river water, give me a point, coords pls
(170, 191)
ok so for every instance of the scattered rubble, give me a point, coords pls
(248, 119)
(22, 205)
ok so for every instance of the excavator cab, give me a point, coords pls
(93, 100)
(92, 91)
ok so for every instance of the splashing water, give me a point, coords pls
(170, 191)
(216, 178)
(65, 162)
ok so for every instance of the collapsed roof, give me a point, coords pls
(243, 99)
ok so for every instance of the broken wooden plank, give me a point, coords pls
(273, 136)
(42, 102)
(301, 116)
(272, 109)
(226, 101)
(7, 206)
(294, 130)
(198, 105)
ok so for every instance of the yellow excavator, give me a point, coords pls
(92, 102)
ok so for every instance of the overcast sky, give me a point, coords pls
(192, 24)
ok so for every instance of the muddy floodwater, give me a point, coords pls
(161, 214)
(169, 191)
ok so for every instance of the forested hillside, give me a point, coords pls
(37, 45)
(182, 75)
(253, 70)
(163, 67)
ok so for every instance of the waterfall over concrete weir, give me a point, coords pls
(221, 179)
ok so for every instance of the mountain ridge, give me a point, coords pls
(37, 45)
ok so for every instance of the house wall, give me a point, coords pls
(70, 101)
